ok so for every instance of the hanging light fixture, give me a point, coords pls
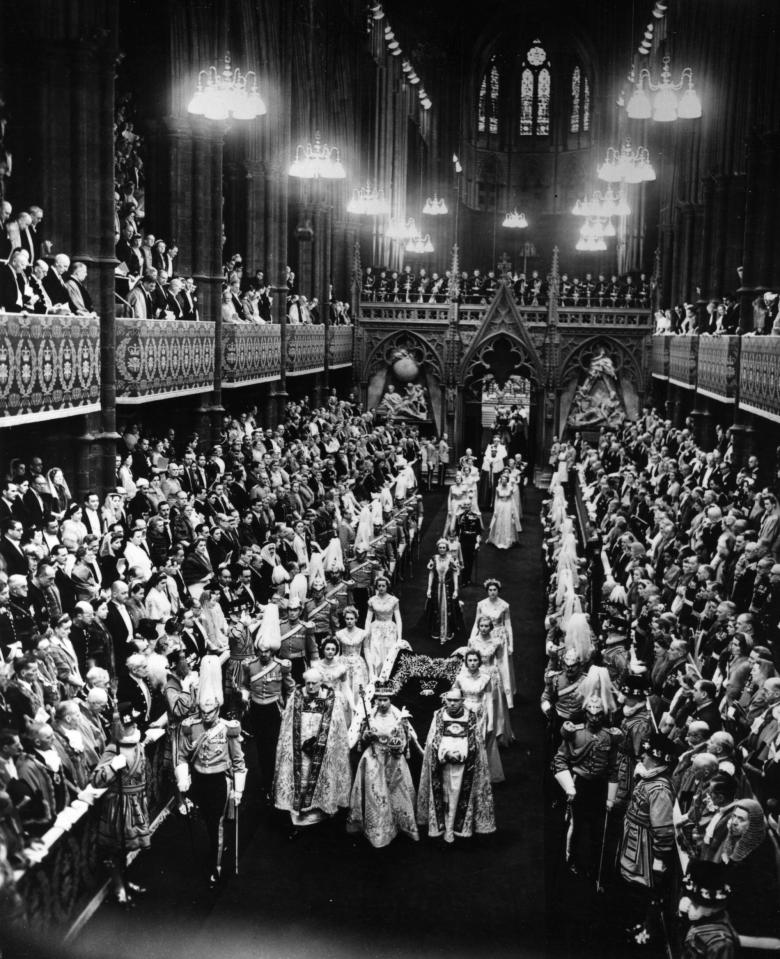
(317, 161)
(435, 206)
(603, 206)
(419, 243)
(402, 230)
(591, 245)
(229, 93)
(515, 220)
(376, 11)
(368, 202)
(670, 100)
(629, 166)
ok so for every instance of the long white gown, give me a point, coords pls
(505, 526)
(499, 613)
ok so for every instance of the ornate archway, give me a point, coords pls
(501, 360)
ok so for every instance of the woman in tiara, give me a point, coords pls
(383, 625)
(505, 527)
(498, 612)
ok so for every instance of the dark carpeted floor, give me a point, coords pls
(327, 895)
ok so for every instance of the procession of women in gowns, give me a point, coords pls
(460, 758)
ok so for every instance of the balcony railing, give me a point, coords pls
(624, 318)
(406, 312)
(659, 363)
(250, 354)
(718, 365)
(49, 367)
(682, 360)
(341, 344)
(759, 375)
(158, 358)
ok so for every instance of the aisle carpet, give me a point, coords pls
(328, 895)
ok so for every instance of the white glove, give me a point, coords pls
(546, 707)
(566, 781)
(236, 797)
(182, 774)
(117, 763)
(245, 695)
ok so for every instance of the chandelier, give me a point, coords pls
(603, 205)
(515, 220)
(631, 166)
(435, 206)
(318, 161)
(368, 202)
(669, 101)
(597, 228)
(402, 230)
(419, 244)
(591, 245)
(229, 93)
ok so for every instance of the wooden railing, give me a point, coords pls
(68, 870)
(49, 367)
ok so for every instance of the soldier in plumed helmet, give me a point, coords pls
(211, 764)
(266, 686)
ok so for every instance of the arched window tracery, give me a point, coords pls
(535, 92)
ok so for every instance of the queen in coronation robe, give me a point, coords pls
(455, 796)
(313, 775)
(383, 796)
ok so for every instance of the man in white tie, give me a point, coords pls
(39, 271)
(91, 515)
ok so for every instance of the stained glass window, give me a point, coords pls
(586, 106)
(494, 98)
(487, 108)
(535, 88)
(543, 103)
(574, 123)
(527, 104)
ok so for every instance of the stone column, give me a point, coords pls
(59, 84)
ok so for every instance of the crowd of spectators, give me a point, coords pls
(722, 317)
(250, 299)
(673, 622)
(31, 279)
(117, 599)
(381, 285)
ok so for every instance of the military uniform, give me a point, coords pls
(563, 693)
(269, 685)
(323, 614)
(469, 530)
(213, 754)
(590, 755)
(298, 646)
(633, 732)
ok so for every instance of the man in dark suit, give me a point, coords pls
(13, 283)
(120, 626)
(172, 301)
(11, 550)
(54, 282)
(188, 300)
(43, 303)
(37, 502)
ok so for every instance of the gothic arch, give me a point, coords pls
(421, 350)
(502, 322)
(576, 359)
